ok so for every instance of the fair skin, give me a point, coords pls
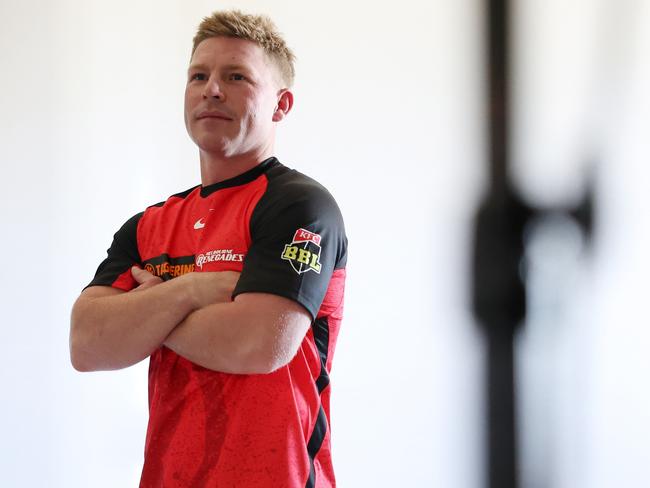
(233, 101)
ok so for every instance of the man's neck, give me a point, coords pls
(217, 168)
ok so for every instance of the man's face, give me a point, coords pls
(231, 98)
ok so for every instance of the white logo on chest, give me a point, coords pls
(218, 255)
(199, 224)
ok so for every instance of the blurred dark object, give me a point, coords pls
(499, 299)
(499, 290)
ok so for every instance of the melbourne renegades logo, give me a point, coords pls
(303, 253)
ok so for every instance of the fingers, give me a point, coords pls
(142, 276)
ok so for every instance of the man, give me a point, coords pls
(234, 288)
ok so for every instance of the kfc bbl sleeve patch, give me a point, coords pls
(303, 253)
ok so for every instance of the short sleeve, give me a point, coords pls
(297, 241)
(115, 270)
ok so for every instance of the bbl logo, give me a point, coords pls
(303, 253)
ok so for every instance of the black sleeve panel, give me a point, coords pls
(122, 254)
(298, 239)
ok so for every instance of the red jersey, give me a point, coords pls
(284, 232)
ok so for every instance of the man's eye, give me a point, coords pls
(237, 77)
(198, 76)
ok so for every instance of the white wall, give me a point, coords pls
(386, 112)
(582, 105)
(388, 115)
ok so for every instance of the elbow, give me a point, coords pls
(239, 364)
(274, 363)
(265, 361)
(76, 340)
(82, 357)
(262, 367)
(86, 357)
(271, 354)
(78, 358)
(257, 367)
(79, 364)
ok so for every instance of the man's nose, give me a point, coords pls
(212, 89)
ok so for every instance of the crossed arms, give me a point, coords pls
(193, 314)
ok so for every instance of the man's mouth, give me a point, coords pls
(213, 114)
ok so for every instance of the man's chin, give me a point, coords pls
(222, 148)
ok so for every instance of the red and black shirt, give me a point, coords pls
(284, 232)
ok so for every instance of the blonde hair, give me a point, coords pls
(259, 29)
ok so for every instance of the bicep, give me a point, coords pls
(274, 308)
(298, 240)
(277, 324)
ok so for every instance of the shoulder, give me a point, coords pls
(288, 179)
(291, 189)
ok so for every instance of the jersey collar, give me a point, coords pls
(250, 175)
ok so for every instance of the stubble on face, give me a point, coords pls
(235, 84)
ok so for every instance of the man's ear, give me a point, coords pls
(285, 102)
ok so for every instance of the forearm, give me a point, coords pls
(214, 337)
(255, 334)
(113, 332)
